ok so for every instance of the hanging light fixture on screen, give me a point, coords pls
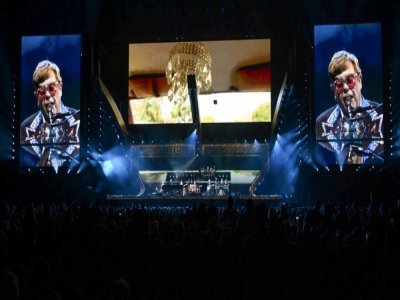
(187, 58)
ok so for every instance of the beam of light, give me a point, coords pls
(115, 163)
(72, 165)
(108, 167)
(82, 167)
(395, 150)
(186, 165)
(341, 158)
(284, 162)
(304, 138)
(55, 167)
(308, 160)
(117, 172)
(256, 146)
(192, 138)
(319, 157)
(287, 139)
(94, 156)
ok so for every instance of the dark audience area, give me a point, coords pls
(329, 251)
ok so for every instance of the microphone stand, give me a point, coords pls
(51, 118)
(349, 109)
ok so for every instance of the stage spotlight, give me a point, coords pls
(107, 167)
(55, 167)
(82, 167)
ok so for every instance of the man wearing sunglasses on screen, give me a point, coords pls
(52, 133)
(354, 124)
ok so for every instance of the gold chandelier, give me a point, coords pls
(187, 58)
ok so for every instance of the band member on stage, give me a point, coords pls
(52, 133)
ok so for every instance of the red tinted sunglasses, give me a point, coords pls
(52, 88)
(350, 80)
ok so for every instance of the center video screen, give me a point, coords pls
(233, 81)
(50, 101)
(348, 94)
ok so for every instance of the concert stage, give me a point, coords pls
(181, 201)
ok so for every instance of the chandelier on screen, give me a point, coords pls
(187, 58)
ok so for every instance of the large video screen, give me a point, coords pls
(348, 94)
(238, 90)
(50, 100)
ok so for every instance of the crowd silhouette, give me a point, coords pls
(328, 251)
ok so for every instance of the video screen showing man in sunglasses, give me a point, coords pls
(52, 133)
(354, 122)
